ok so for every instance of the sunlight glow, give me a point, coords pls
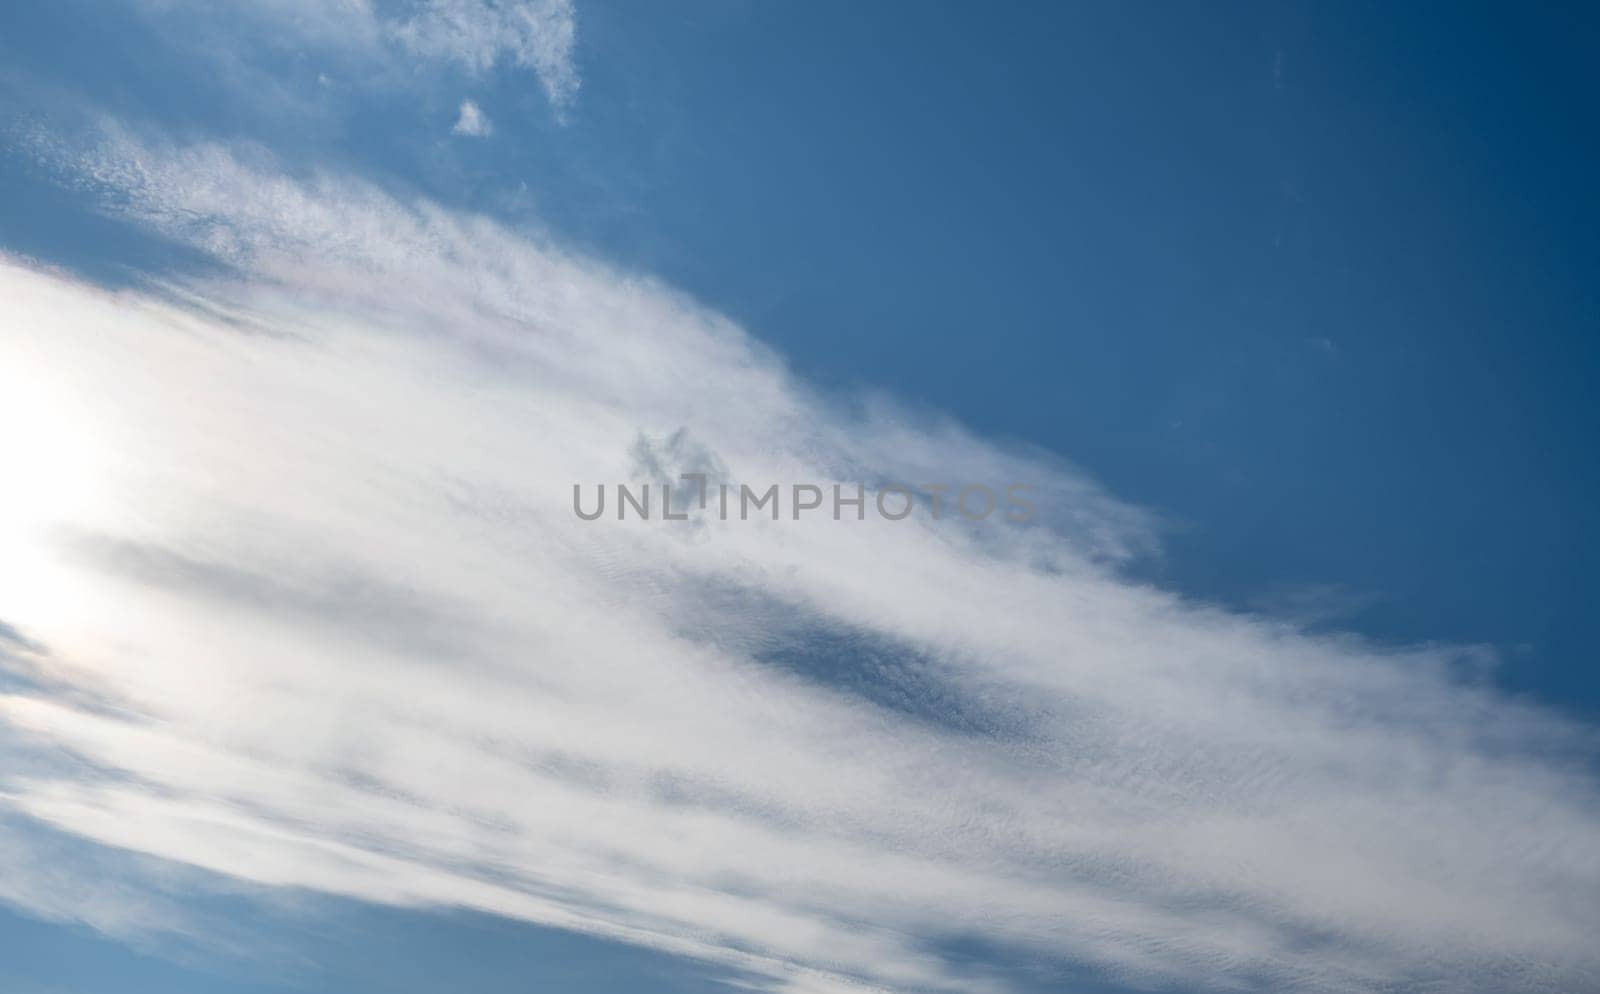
(52, 475)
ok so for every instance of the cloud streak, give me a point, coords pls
(478, 34)
(386, 44)
(343, 632)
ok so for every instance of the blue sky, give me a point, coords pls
(1288, 313)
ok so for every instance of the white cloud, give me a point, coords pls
(388, 43)
(472, 122)
(477, 34)
(320, 606)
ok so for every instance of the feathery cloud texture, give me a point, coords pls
(474, 37)
(301, 590)
(478, 34)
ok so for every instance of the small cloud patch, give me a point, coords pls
(472, 121)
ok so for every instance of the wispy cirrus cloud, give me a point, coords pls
(386, 44)
(346, 634)
(479, 34)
